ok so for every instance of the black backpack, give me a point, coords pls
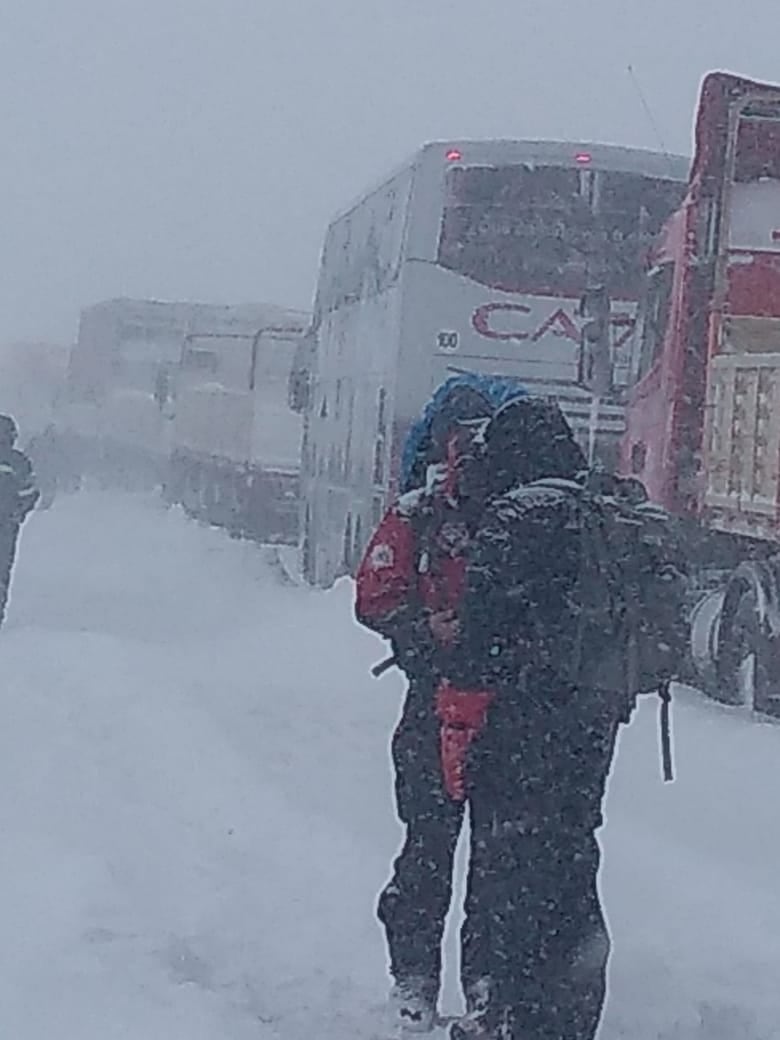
(630, 597)
(629, 606)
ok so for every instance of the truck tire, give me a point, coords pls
(747, 640)
(307, 550)
(357, 545)
(346, 549)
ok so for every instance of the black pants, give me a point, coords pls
(535, 921)
(413, 905)
(8, 538)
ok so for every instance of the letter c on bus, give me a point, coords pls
(480, 319)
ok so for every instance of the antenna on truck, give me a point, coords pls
(650, 117)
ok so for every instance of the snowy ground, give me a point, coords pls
(196, 811)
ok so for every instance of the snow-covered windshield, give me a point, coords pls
(138, 360)
(544, 229)
(277, 429)
(758, 145)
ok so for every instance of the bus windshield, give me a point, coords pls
(550, 229)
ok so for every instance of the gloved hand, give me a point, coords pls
(462, 714)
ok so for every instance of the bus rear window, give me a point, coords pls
(549, 229)
(515, 227)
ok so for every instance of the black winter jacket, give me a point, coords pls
(18, 493)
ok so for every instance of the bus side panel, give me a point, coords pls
(350, 421)
(350, 428)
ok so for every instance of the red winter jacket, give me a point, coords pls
(415, 565)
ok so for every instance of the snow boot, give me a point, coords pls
(472, 1029)
(482, 1020)
(413, 1005)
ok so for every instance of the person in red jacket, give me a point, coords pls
(408, 588)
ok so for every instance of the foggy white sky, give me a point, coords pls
(196, 149)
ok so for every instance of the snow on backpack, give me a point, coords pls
(629, 603)
(632, 570)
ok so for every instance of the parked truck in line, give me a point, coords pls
(116, 408)
(703, 414)
(235, 440)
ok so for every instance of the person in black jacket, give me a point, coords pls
(18, 496)
(537, 772)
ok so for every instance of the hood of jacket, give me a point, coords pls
(496, 391)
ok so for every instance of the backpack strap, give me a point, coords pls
(665, 693)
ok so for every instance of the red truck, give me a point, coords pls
(703, 415)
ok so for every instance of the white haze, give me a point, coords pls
(195, 149)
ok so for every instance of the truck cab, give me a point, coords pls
(698, 428)
(703, 417)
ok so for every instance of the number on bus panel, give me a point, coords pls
(447, 341)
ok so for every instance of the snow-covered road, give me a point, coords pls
(195, 810)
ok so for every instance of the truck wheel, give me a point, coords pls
(703, 649)
(747, 650)
(357, 544)
(210, 497)
(236, 506)
(346, 549)
(193, 491)
(307, 550)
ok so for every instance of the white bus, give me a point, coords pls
(473, 256)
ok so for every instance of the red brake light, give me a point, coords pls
(454, 155)
(583, 158)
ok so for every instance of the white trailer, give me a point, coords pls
(236, 443)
